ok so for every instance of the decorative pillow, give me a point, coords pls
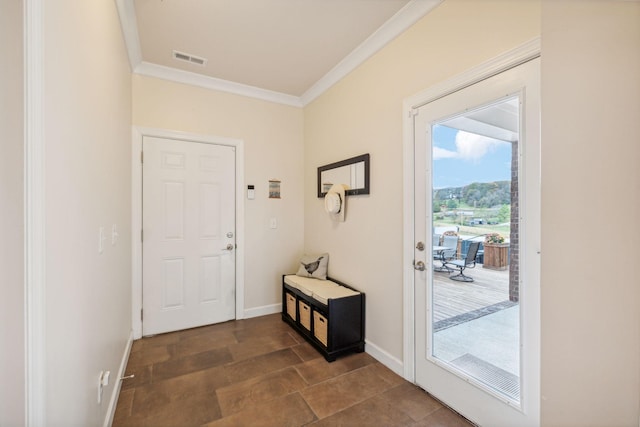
(314, 266)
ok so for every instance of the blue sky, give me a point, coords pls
(460, 158)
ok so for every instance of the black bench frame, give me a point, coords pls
(345, 321)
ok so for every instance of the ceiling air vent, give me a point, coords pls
(181, 56)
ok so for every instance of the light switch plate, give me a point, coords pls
(114, 234)
(101, 238)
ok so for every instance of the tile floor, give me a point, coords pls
(260, 372)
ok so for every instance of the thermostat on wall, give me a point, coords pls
(251, 192)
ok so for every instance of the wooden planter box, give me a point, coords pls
(496, 256)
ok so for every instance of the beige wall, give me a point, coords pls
(590, 92)
(12, 404)
(363, 114)
(272, 136)
(87, 131)
(590, 184)
(590, 199)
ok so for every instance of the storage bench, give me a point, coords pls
(327, 313)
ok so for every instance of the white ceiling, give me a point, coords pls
(499, 120)
(287, 51)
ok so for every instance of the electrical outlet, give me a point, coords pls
(103, 381)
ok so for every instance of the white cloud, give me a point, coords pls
(441, 153)
(470, 146)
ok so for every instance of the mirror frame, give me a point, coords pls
(354, 191)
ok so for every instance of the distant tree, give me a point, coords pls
(477, 194)
(504, 214)
(487, 194)
(473, 196)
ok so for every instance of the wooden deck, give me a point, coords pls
(452, 298)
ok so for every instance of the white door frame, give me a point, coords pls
(503, 62)
(136, 214)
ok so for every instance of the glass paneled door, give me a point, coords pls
(477, 203)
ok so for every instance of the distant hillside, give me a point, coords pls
(478, 194)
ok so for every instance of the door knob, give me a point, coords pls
(419, 266)
(228, 248)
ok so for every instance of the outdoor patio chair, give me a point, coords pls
(451, 242)
(468, 262)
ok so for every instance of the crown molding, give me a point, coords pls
(398, 23)
(129, 24)
(194, 79)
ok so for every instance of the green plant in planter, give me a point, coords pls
(493, 239)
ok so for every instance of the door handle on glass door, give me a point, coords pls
(419, 266)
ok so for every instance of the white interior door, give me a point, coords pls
(188, 249)
(457, 355)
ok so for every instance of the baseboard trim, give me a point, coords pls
(385, 358)
(113, 402)
(262, 311)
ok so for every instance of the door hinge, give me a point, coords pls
(141, 314)
(142, 157)
(142, 235)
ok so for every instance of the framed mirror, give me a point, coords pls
(353, 172)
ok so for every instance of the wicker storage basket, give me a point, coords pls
(291, 306)
(320, 327)
(305, 315)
